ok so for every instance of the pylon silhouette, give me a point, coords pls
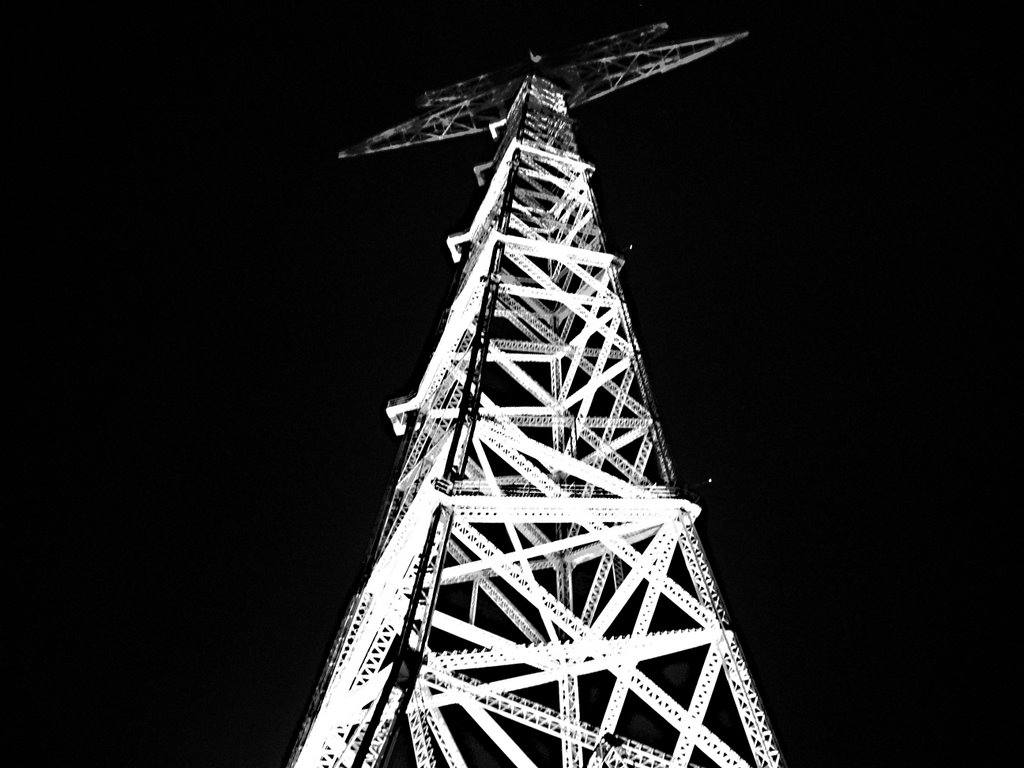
(537, 593)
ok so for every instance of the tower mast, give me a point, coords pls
(535, 545)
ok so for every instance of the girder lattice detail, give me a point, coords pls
(537, 567)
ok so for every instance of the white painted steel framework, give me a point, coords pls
(535, 545)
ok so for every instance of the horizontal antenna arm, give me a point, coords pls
(592, 70)
(606, 46)
(471, 88)
(462, 118)
(598, 77)
(609, 46)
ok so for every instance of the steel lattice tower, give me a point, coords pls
(536, 556)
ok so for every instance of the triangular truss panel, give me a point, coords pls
(537, 591)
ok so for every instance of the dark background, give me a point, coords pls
(226, 308)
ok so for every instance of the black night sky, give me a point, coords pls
(231, 307)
